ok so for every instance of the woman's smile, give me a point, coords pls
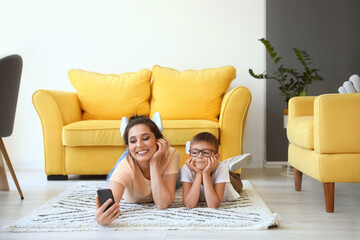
(142, 152)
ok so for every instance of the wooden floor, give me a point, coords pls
(302, 214)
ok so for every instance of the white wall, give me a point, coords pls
(115, 36)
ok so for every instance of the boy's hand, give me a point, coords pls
(163, 147)
(191, 165)
(211, 166)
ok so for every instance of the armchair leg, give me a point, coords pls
(329, 193)
(297, 179)
(8, 162)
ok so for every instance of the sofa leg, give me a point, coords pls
(297, 179)
(329, 193)
(57, 177)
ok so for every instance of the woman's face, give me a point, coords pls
(142, 143)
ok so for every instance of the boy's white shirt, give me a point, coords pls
(220, 175)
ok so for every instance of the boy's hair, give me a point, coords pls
(206, 137)
(135, 120)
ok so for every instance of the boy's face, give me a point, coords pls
(200, 161)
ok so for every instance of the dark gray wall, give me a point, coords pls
(329, 30)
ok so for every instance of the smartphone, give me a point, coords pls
(104, 195)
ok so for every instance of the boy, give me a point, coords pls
(204, 178)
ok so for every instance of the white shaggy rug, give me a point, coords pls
(74, 210)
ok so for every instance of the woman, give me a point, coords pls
(147, 174)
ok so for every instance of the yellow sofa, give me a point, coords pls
(81, 129)
(324, 136)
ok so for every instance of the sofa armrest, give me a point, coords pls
(301, 106)
(232, 119)
(337, 123)
(55, 109)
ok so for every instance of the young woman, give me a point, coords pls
(147, 174)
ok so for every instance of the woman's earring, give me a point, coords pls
(156, 119)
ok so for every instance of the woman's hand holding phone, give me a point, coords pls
(107, 212)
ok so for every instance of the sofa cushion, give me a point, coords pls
(107, 133)
(180, 131)
(190, 94)
(111, 96)
(300, 132)
(92, 133)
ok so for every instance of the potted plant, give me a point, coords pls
(292, 82)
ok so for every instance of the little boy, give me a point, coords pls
(204, 178)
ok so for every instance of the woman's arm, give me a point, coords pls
(163, 188)
(106, 217)
(213, 194)
(117, 190)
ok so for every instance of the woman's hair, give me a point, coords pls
(206, 137)
(135, 120)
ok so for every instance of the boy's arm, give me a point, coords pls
(191, 191)
(213, 194)
(191, 187)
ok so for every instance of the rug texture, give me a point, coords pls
(74, 210)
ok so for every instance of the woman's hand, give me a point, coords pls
(212, 165)
(163, 147)
(106, 217)
(190, 163)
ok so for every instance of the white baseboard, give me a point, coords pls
(275, 164)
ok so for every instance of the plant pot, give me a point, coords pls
(285, 116)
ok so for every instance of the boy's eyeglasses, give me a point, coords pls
(204, 152)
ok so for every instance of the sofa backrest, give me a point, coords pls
(189, 94)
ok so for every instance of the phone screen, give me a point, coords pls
(104, 195)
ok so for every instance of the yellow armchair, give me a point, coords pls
(324, 137)
(79, 145)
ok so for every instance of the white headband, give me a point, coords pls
(187, 147)
(156, 119)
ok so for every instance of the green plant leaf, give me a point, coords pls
(292, 82)
(277, 60)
